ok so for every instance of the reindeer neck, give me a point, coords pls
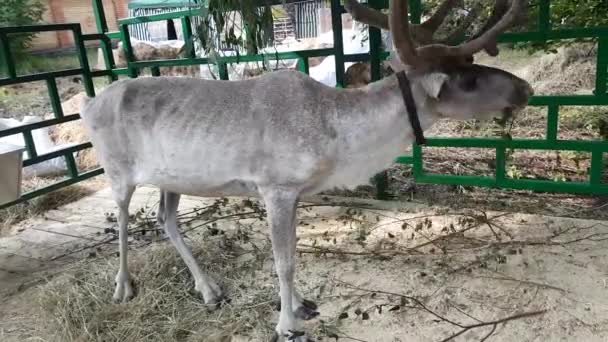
(377, 113)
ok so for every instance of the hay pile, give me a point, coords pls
(569, 71)
(77, 305)
(74, 132)
(146, 51)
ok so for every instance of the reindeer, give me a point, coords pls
(283, 135)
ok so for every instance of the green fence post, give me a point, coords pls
(597, 165)
(187, 32)
(126, 45)
(51, 86)
(155, 71)
(375, 45)
(601, 74)
(7, 57)
(336, 26)
(501, 164)
(544, 18)
(552, 122)
(30, 146)
(106, 46)
(417, 167)
(223, 70)
(415, 11)
(303, 65)
(84, 62)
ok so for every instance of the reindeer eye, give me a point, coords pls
(469, 83)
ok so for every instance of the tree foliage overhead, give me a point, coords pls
(20, 13)
(238, 24)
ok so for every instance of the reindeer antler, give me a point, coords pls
(422, 34)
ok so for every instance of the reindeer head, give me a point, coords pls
(454, 86)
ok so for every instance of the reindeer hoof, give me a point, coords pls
(295, 336)
(124, 291)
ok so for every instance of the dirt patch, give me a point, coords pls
(379, 272)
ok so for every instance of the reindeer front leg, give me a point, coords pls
(281, 208)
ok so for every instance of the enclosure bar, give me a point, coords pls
(235, 59)
(303, 65)
(160, 17)
(187, 32)
(155, 71)
(106, 44)
(375, 46)
(338, 50)
(223, 71)
(30, 146)
(552, 122)
(84, 62)
(55, 154)
(417, 168)
(597, 165)
(36, 125)
(39, 77)
(601, 74)
(51, 86)
(56, 186)
(501, 164)
(544, 17)
(39, 28)
(108, 58)
(404, 160)
(71, 164)
(113, 35)
(100, 16)
(7, 56)
(415, 11)
(126, 45)
(569, 100)
(530, 144)
(518, 184)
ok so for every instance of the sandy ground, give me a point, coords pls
(380, 271)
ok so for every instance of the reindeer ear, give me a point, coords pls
(433, 82)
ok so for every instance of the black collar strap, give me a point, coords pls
(410, 105)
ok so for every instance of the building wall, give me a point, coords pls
(75, 11)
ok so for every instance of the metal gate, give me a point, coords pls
(544, 32)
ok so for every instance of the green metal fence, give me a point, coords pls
(544, 33)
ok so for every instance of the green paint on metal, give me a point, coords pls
(51, 86)
(375, 46)
(161, 17)
(71, 163)
(133, 4)
(501, 161)
(601, 76)
(303, 65)
(501, 146)
(223, 70)
(544, 16)
(30, 146)
(338, 50)
(84, 62)
(7, 58)
(552, 122)
(597, 166)
(187, 32)
(127, 47)
(415, 11)
(102, 28)
(53, 187)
